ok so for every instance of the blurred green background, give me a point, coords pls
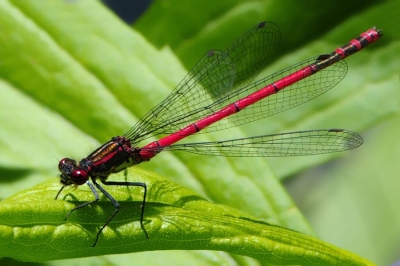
(73, 75)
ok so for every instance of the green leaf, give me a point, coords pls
(74, 75)
(33, 229)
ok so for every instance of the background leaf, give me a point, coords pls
(73, 76)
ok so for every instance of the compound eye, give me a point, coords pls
(79, 176)
(66, 164)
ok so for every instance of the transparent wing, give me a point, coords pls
(298, 143)
(215, 76)
(220, 78)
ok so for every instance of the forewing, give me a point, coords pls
(216, 76)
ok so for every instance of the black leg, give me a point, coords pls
(116, 204)
(131, 184)
(61, 189)
(96, 196)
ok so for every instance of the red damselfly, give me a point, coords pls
(218, 87)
